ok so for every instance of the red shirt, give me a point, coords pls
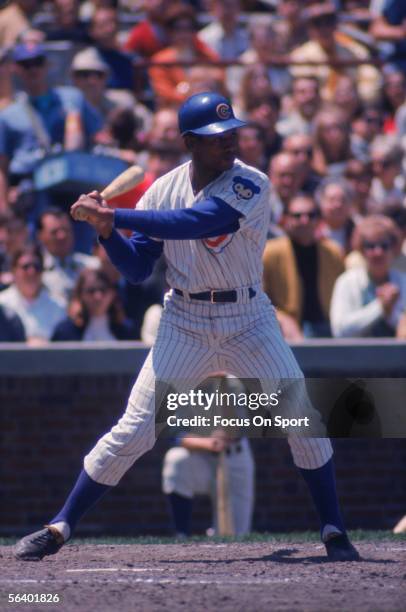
(143, 39)
(130, 198)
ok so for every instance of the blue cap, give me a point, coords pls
(207, 114)
(28, 51)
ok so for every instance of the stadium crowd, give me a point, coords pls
(322, 86)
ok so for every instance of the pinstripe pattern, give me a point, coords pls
(196, 339)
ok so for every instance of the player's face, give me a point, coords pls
(215, 152)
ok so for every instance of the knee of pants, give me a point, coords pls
(310, 453)
(176, 474)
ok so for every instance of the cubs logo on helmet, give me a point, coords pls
(223, 110)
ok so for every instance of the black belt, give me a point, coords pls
(215, 296)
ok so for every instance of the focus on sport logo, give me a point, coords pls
(223, 110)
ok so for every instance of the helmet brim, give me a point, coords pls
(217, 128)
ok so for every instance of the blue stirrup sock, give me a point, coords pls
(322, 486)
(181, 508)
(85, 493)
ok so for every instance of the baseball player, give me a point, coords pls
(209, 217)
(190, 467)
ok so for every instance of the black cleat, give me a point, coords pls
(39, 544)
(339, 548)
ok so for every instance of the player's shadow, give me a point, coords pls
(283, 555)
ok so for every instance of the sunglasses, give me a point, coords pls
(384, 245)
(371, 119)
(312, 215)
(30, 265)
(307, 151)
(322, 22)
(384, 163)
(94, 290)
(32, 63)
(87, 74)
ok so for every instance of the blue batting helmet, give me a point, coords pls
(207, 114)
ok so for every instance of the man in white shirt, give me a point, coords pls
(61, 263)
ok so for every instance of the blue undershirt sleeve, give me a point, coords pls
(134, 257)
(207, 218)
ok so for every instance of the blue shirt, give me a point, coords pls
(18, 139)
(121, 68)
(394, 12)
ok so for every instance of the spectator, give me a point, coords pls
(251, 145)
(11, 326)
(164, 129)
(96, 312)
(66, 23)
(29, 299)
(149, 35)
(285, 180)
(290, 14)
(264, 110)
(334, 197)
(90, 74)
(14, 235)
(225, 35)
(366, 125)
(369, 300)
(332, 145)
(36, 120)
(170, 83)
(325, 45)
(266, 44)
(301, 147)
(190, 467)
(255, 86)
(5, 278)
(394, 96)
(15, 19)
(390, 26)
(359, 175)
(386, 155)
(346, 96)
(61, 264)
(397, 213)
(207, 78)
(119, 137)
(6, 83)
(103, 32)
(300, 270)
(305, 105)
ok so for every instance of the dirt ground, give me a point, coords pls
(209, 576)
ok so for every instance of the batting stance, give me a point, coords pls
(209, 216)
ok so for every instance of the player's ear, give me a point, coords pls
(190, 141)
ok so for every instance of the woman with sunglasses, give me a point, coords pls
(369, 300)
(29, 298)
(95, 311)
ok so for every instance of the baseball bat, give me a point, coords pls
(121, 184)
(225, 522)
(401, 526)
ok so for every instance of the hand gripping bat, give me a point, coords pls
(125, 181)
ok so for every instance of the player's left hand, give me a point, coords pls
(93, 209)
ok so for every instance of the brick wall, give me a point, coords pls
(47, 424)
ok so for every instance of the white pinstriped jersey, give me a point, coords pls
(224, 262)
